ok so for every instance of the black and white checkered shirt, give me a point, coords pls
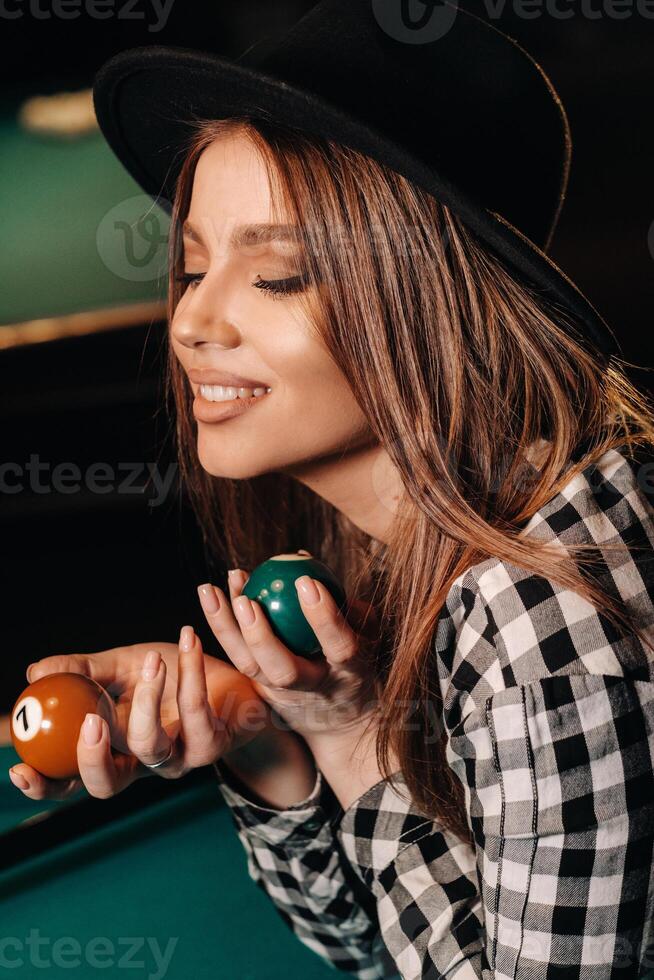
(549, 716)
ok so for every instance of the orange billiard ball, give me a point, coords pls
(47, 718)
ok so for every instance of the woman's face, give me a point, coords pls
(224, 323)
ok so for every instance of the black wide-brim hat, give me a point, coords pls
(448, 102)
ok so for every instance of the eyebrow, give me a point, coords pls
(248, 235)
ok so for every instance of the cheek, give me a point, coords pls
(318, 400)
(310, 398)
(317, 418)
(307, 380)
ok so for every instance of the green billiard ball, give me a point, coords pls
(272, 585)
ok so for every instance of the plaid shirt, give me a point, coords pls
(549, 718)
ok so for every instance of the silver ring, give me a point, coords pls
(155, 765)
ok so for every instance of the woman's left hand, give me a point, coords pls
(321, 698)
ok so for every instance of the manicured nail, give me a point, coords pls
(186, 635)
(150, 665)
(307, 590)
(91, 729)
(19, 781)
(244, 610)
(209, 598)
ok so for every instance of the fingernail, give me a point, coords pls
(307, 590)
(186, 638)
(19, 781)
(209, 598)
(150, 665)
(244, 611)
(91, 729)
(27, 672)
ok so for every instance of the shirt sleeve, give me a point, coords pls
(294, 856)
(557, 772)
(424, 881)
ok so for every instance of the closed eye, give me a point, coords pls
(275, 287)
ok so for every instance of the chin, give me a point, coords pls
(229, 467)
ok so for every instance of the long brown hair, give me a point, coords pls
(461, 369)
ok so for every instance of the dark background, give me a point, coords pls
(87, 572)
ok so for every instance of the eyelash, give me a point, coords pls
(277, 288)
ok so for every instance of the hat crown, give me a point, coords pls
(462, 97)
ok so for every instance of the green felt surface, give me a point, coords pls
(14, 805)
(170, 877)
(68, 244)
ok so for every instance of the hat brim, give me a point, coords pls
(145, 97)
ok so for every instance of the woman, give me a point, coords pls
(463, 785)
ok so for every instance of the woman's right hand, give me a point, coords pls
(191, 704)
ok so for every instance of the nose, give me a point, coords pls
(203, 320)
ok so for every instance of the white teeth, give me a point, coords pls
(223, 393)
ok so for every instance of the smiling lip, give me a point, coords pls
(207, 377)
(206, 411)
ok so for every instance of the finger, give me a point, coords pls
(277, 665)
(308, 673)
(361, 615)
(91, 760)
(102, 774)
(147, 739)
(338, 641)
(203, 735)
(254, 649)
(236, 579)
(122, 710)
(108, 667)
(225, 628)
(36, 786)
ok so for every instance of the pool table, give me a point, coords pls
(159, 890)
(87, 248)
